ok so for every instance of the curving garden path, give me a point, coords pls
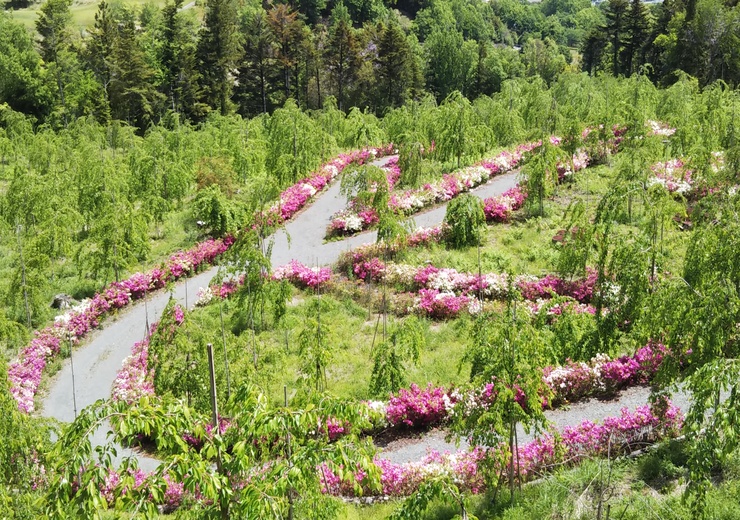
(98, 360)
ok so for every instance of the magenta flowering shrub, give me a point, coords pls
(442, 305)
(674, 175)
(574, 381)
(418, 407)
(295, 197)
(500, 207)
(25, 373)
(302, 276)
(581, 290)
(623, 434)
(370, 270)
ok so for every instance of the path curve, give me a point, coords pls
(98, 360)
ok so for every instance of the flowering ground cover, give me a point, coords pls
(25, 373)
(630, 431)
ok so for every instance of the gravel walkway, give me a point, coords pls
(99, 359)
(414, 449)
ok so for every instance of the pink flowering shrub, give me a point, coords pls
(302, 276)
(500, 207)
(417, 407)
(370, 271)
(442, 305)
(674, 175)
(25, 373)
(616, 435)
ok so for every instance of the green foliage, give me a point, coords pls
(404, 344)
(466, 221)
(459, 132)
(22, 87)
(217, 213)
(217, 52)
(542, 175)
(316, 347)
(431, 492)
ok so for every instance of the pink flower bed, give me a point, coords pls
(302, 276)
(294, 198)
(616, 435)
(674, 175)
(25, 373)
(418, 407)
(499, 208)
(430, 406)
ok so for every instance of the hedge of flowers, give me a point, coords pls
(302, 276)
(444, 293)
(500, 207)
(674, 175)
(25, 373)
(417, 407)
(616, 435)
(449, 186)
(295, 197)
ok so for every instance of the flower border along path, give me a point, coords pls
(25, 373)
(624, 434)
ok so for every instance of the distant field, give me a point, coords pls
(83, 11)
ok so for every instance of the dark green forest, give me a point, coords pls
(142, 65)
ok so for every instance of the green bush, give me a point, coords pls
(466, 221)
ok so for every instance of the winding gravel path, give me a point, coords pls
(97, 362)
(404, 450)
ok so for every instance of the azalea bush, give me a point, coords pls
(625, 433)
(302, 276)
(295, 197)
(25, 374)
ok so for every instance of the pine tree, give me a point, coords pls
(393, 63)
(179, 64)
(593, 50)
(287, 30)
(616, 21)
(218, 48)
(258, 74)
(342, 53)
(638, 29)
(54, 26)
(133, 96)
(100, 49)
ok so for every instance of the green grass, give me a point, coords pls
(83, 12)
(352, 327)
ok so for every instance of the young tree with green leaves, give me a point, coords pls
(541, 176)
(403, 345)
(506, 357)
(465, 220)
(460, 132)
(315, 346)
